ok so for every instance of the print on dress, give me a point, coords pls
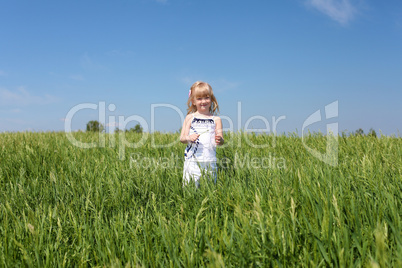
(192, 147)
(203, 149)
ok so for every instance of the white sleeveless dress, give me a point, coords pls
(200, 156)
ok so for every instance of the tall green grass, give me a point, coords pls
(276, 206)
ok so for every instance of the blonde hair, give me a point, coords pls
(201, 89)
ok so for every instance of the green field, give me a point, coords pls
(61, 205)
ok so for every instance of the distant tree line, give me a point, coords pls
(137, 129)
(95, 126)
(360, 132)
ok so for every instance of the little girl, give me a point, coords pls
(201, 131)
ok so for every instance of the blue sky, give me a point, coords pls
(276, 58)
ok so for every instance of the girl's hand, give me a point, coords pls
(193, 137)
(219, 140)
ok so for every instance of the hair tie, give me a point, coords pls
(189, 93)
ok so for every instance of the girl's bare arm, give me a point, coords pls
(219, 132)
(185, 130)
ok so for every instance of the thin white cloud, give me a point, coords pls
(222, 85)
(120, 53)
(88, 64)
(77, 77)
(341, 11)
(218, 85)
(13, 123)
(188, 80)
(21, 97)
(11, 111)
(15, 111)
(398, 23)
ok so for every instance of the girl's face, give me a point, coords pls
(203, 104)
